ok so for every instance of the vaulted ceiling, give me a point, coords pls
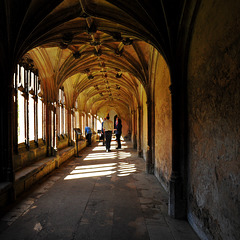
(99, 51)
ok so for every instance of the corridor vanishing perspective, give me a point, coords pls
(96, 196)
(165, 73)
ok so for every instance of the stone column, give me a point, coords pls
(6, 128)
(69, 113)
(54, 147)
(134, 123)
(93, 126)
(15, 113)
(26, 106)
(48, 127)
(58, 127)
(149, 163)
(139, 131)
(177, 198)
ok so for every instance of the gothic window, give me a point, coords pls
(28, 105)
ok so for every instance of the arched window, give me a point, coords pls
(28, 105)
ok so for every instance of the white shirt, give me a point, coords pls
(108, 125)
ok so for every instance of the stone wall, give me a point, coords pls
(214, 125)
(163, 121)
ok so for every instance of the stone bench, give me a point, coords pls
(27, 176)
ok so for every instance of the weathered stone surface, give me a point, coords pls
(163, 128)
(214, 126)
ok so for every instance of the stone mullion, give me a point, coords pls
(62, 122)
(26, 107)
(35, 110)
(43, 120)
(69, 127)
(73, 124)
(15, 113)
(58, 127)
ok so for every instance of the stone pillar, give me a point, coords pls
(69, 113)
(58, 127)
(86, 120)
(6, 128)
(149, 163)
(93, 126)
(54, 147)
(26, 106)
(134, 123)
(80, 120)
(177, 196)
(139, 131)
(15, 113)
(48, 127)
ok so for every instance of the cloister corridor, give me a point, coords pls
(165, 73)
(97, 195)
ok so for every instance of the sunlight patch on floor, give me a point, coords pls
(96, 165)
(100, 157)
(97, 169)
(123, 155)
(120, 168)
(89, 174)
(125, 169)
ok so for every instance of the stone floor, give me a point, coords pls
(99, 196)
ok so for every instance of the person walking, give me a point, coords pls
(118, 129)
(88, 134)
(108, 129)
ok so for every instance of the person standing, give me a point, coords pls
(118, 130)
(88, 134)
(108, 129)
(103, 134)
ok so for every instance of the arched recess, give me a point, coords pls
(91, 53)
(162, 112)
(72, 23)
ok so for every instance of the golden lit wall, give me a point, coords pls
(163, 123)
(125, 128)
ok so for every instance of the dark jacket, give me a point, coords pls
(119, 127)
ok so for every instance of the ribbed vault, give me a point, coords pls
(99, 50)
(95, 62)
